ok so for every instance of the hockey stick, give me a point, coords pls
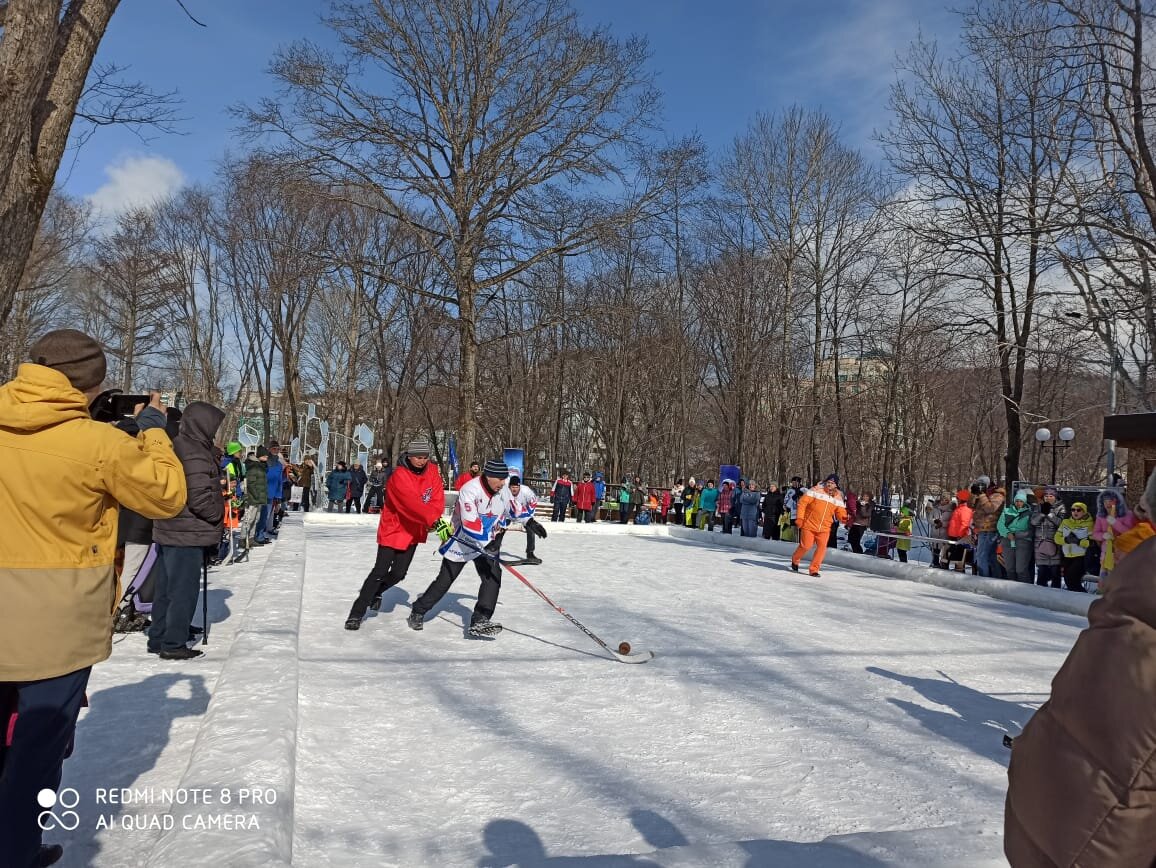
(634, 657)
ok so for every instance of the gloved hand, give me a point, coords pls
(1045, 508)
(1072, 539)
(1085, 543)
(443, 529)
(535, 528)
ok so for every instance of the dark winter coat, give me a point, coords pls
(336, 482)
(773, 505)
(201, 521)
(256, 483)
(132, 527)
(563, 490)
(863, 512)
(1082, 779)
(737, 502)
(358, 479)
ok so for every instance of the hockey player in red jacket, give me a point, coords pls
(413, 502)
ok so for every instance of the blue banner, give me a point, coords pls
(729, 471)
(516, 460)
(453, 461)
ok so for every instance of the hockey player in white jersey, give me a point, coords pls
(523, 505)
(483, 510)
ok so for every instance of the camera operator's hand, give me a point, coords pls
(155, 415)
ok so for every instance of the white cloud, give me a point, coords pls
(136, 182)
(848, 64)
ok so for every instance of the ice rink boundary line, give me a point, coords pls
(1065, 602)
(253, 714)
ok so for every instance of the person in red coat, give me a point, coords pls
(414, 500)
(466, 476)
(585, 499)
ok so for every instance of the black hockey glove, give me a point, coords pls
(535, 528)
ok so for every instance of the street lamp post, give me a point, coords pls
(1061, 441)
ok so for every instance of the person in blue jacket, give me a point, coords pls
(337, 485)
(749, 502)
(268, 522)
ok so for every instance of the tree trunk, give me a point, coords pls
(44, 61)
(468, 358)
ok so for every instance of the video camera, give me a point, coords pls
(112, 405)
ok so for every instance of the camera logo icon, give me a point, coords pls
(67, 819)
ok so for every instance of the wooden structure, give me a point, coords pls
(1135, 432)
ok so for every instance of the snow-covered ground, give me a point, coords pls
(848, 720)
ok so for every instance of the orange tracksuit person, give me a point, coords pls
(818, 508)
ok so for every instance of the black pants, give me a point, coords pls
(676, 513)
(585, 515)
(902, 555)
(488, 571)
(728, 523)
(559, 511)
(624, 510)
(1074, 573)
(1048, 575)
(45, 723)
(306, 499)
(178, 582)
(770, 526)
(388, 570)
(531, 539)
(355, 502)
(855, 538)
(373, 498)
(710, 517)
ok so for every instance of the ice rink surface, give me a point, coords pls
(841, 721)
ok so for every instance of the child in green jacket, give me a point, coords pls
(1015, 527)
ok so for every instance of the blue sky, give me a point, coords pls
(718, 63)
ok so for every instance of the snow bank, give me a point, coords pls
(249, 737)
(339, 518)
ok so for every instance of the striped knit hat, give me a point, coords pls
(496, 468)
(418, 446)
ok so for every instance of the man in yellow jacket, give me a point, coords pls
(63, 478)
(819, 508)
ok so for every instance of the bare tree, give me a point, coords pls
(41, 299)
(977, 137)
(125, 292)
(488, 102)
